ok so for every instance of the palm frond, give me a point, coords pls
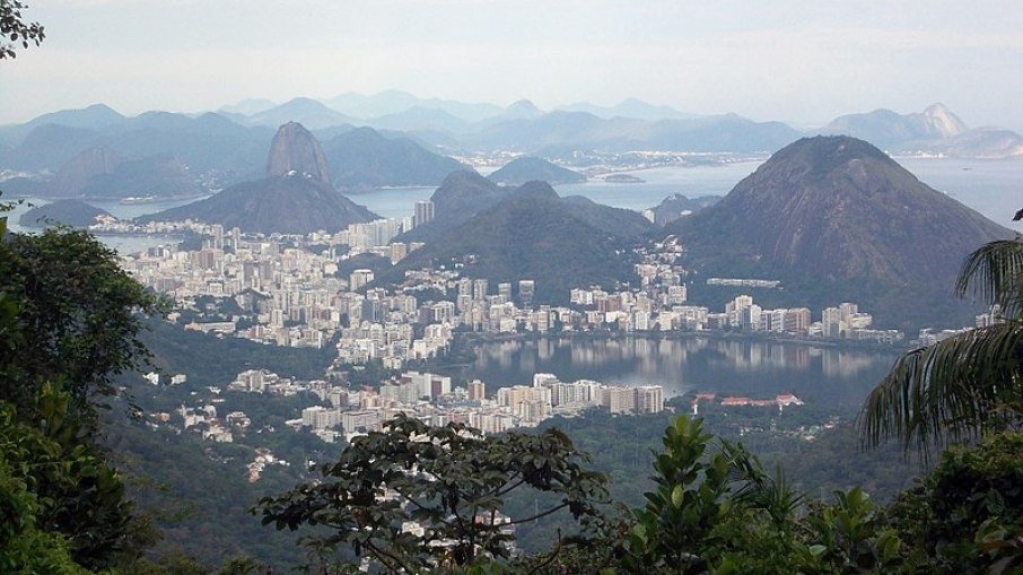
(949, 392)
(994, 274)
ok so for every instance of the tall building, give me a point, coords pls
(398, 251)
(359, 278)
(649, 399)
(477, 390)
(479, 289)
(424, 212)
(797, 320)
(619, 399)
(504, 290)
(527, 288)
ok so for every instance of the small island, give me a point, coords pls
(74, 213)
(526, 169)
(623, 179)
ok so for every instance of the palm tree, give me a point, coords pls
(964, 386)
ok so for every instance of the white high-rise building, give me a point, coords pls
(424, 212)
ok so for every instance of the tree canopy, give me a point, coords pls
(969, 384)
(415, 497)
(14, 31)
(69, 323)
(78, 317)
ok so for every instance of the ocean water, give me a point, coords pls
(991, 187)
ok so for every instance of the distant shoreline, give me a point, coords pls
(476, 338)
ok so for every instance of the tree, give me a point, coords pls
(967, 385)
(715, 510)
(68, 326)
(27, 544)
(967, 514)
(14, 30)
(79, 318)
(415, 498)
(710, 511)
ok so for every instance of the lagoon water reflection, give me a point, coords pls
(741, 366)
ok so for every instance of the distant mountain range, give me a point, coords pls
(363, 159)
(937, 130)
(833, 218)
(396, 139)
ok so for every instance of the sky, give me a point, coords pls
(803, 62)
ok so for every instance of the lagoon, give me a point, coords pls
(756, 368)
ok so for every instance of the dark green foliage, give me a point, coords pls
(78, 317)
(68, 327)
(14, 30)
(698, 495)
(198, 493)
(532, 237)
(966, 516)
(209, 360)
(715, 510)
(964, 386)
(449, 480)
(27, 459)
(377, 264)
(73, 495)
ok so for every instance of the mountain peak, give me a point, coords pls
(296, 150)
(940, 119)
(836, 211)
(535, 190)
(522, 109)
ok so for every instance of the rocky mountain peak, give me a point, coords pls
(295, 150)
(941, 120)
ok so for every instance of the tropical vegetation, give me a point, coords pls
(968, 385)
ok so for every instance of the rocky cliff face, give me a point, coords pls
(295, 150)
(296, 198)
(941, 122)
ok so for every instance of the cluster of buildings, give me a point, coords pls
(291, 291)
(430, 397)
(781, 401)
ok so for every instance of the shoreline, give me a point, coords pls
(475, 339)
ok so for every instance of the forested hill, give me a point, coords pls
(535, 235)
(836, 217)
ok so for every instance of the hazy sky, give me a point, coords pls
(804, 62)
